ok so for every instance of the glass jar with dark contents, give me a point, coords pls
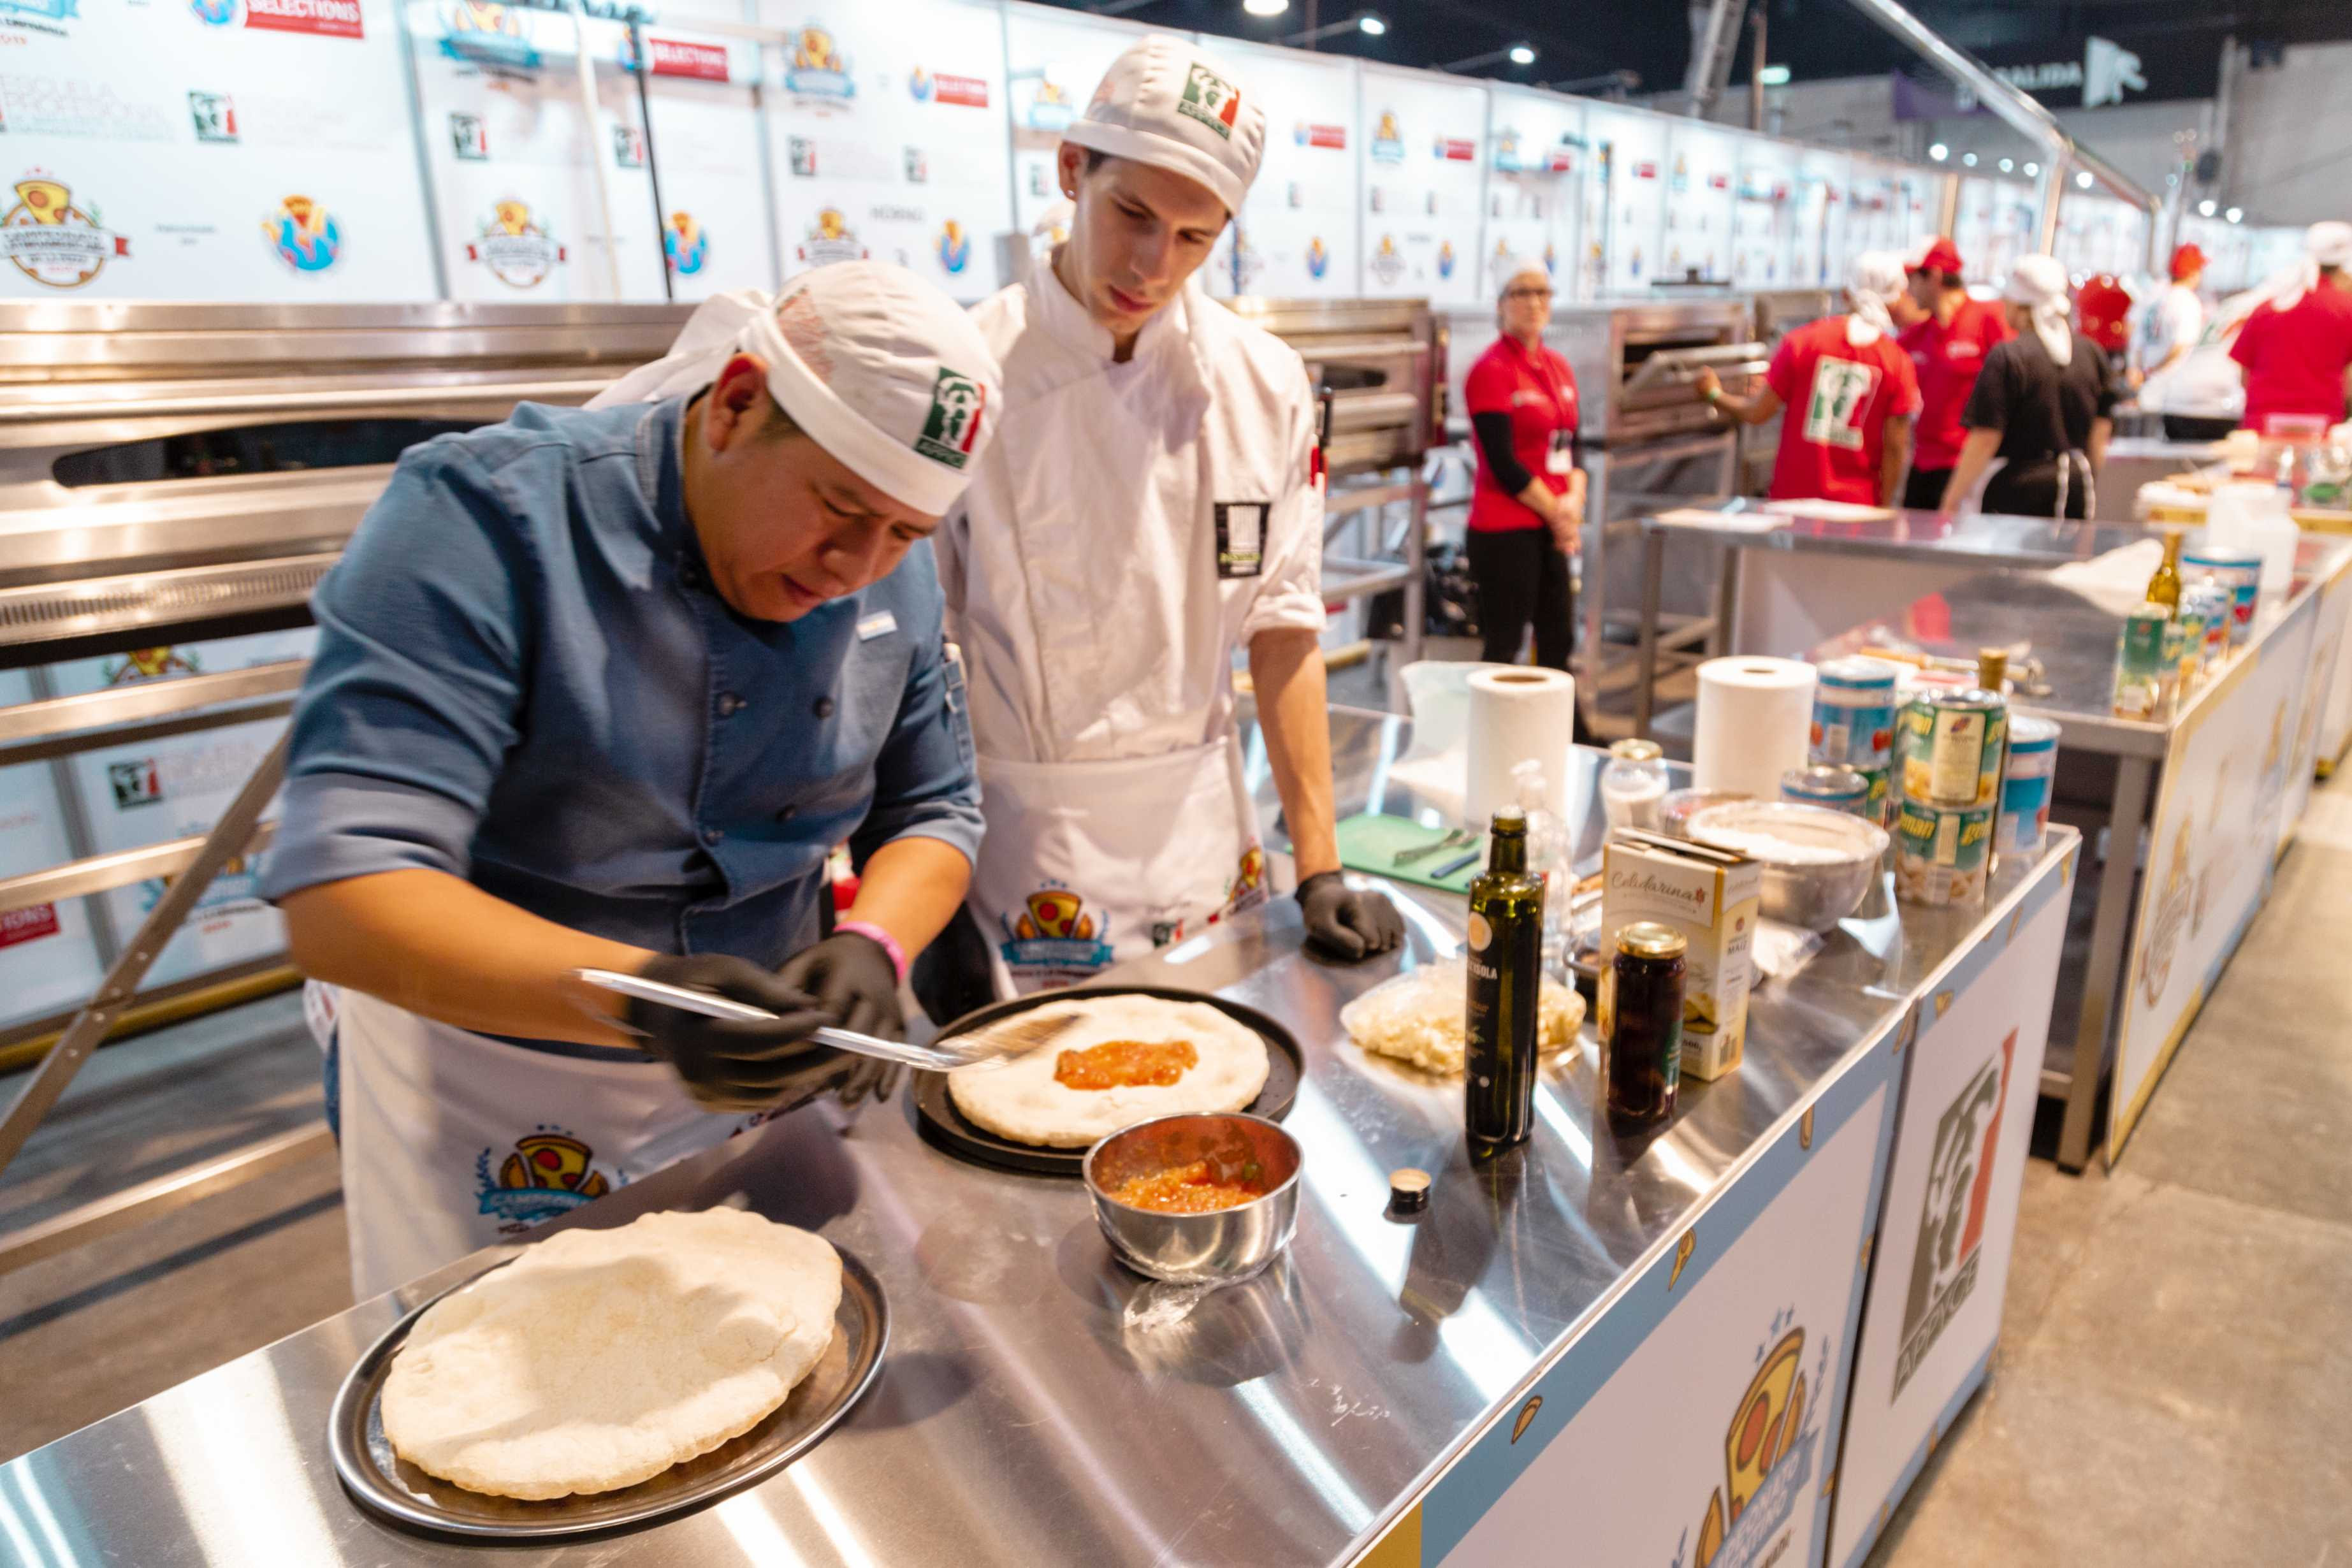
(1644, 1049)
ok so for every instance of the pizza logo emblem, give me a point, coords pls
(1318, 257)
(516, 247)
(214, 13)
(53, 241)
(1768, 1456)
(686, 245)
(1050, 109)
(819, 69)
(955, 247)
(1445, 258)
(304, 235)
(1054, 937)
(2171, 913)
(1388, 266)
(1388, 141)
(151, 663)
(830, 239)
(485, 32)
(548, 1173)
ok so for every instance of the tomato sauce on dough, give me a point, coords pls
(1120, 1064)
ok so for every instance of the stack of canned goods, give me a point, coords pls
(2144, 681)
(2238, 571)
(1829, 785)
(2025, 786)
(1853, 725)
(1953, 743)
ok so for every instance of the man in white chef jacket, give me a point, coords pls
(1152, 501)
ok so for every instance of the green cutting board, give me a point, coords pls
(1370, 843)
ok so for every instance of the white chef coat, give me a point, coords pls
(2174, 319)
(1098, 576)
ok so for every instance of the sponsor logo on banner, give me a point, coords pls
(955, 247)
(469, 137)
(516, 247)
(958, 404)
(803, 157)
(1550, 259)
(486, 33)
(1211, 99)
(1050, 108)
(303, 235)
(234, 889)
(1645, 170)
(135, 782)
(1455, 149)
(325, 19)
(28, 924)
(1331, 136)
(1768, 1456)
(945, 87)
(546, 1174)
(1387, 265)
(681, 57)
(2171, 914)
(1388, 141)
(1445, 258)
(628, 147)
(918, 165)
(1952, 1213)
(686, 243)
(214, 13)
(1318, 257)
(818, 69)
(214, 115)
(1054, 936)
(830, 238)
(53, 241)
(49, 10)
(1246, 889)
(150, 664)
(1507, 151)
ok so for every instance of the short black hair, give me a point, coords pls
(1096, 159)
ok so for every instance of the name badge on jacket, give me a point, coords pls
(1562, 457)
(1241, 537)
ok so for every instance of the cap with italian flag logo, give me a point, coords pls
(1165, 103)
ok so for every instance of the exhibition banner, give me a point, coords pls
(1422, 171)
(1537, 160)
(1296, 235)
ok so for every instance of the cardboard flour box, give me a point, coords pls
(1710, 896)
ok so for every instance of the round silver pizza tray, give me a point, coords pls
(401, 1492)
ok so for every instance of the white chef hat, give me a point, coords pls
(1166, 103)
(2039, 283)
(1509, 268)
(1875, 280)
(873, 364)
(2324, 245)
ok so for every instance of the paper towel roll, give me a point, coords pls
(1516, 713)
(1755, 715)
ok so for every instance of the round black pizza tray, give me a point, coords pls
(944, 1126)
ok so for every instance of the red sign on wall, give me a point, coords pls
(1645, 171)
(1334, 136)
(329, 18)
(971, 91)
(675, 57)
(1457, 149)
(28, 924)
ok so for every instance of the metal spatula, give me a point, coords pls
(1012, 1037)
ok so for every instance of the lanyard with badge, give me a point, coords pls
(1559, 449)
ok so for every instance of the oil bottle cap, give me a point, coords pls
(1408, 1190)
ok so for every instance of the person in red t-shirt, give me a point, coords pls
(2296, 347)
(1526, 504)
(1851, 394)
(1948, 348)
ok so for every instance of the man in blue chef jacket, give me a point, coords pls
(601, 688)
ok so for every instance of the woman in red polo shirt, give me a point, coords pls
(1851, 394)
(1527, 505)
(2298, 345)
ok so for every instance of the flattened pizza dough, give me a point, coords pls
(1021, 1099)
(600, 1358)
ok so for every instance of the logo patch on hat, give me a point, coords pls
(1211, 99)
(954, 424)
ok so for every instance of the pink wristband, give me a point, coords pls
(875, 933)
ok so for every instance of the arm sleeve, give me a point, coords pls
(1905, 401)
(412, 697)
(925, 785)
(1988, 407)
(1290, 580)
(1781, 376)
(2248, 342)
(1493, 433)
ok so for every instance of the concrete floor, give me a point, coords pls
(2173, 1388)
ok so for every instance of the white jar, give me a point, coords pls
(1633, 781)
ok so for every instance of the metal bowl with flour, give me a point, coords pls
(1817, 864)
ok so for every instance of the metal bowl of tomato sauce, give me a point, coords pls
(1196, 1199)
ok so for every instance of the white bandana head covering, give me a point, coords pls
(873, 364)
(1509, 269)
(1876, 280)
(1166, 103)
(2324, 245)
(2039, 283)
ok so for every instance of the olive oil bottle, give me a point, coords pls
(2164, 588)
(1506, 963)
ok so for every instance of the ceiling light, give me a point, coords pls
(2206, 208)
(1372, 22)
(1521, 54)
(1939, 152)
(2235, 214)
(1266, 7)
(2083, 179)
(1773, 76)
(2007, 164)
(2032, 170)
(1969, 159)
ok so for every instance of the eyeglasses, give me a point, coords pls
(1526, 294)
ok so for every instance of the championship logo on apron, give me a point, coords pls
(1052, 937)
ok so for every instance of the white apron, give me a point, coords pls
(453, 1142)
(1085, 864)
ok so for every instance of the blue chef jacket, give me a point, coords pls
(524, 679)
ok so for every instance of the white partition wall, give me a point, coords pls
(1537, 160)
(1297, 237)
(1422, 169)
(1629, 148)
(704, 144)
(1817, 237)
(1765, 218)
(1702, 199)
(1054, 59)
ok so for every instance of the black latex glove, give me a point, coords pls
(854, 980)
(731, 1066)
(1343, 923)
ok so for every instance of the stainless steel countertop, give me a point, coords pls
(2075, 638)
(1991, 539)
(1039, 1404)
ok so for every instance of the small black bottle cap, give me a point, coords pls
(1408, 1190)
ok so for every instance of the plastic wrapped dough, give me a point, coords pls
(1419, 1017)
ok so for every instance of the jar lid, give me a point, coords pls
(1637, 750)
(1648, 938)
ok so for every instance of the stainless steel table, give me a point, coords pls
(2075, 643)
(1037, 1404)
(1943, 547)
